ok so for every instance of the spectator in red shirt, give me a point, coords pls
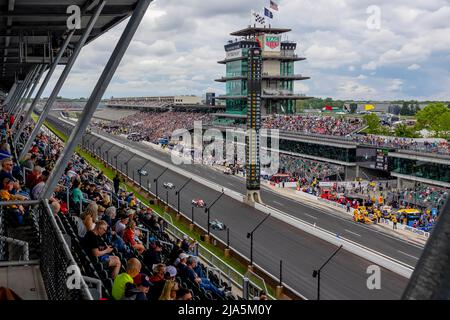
(129, 237)
(34, 177)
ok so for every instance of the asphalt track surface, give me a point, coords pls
(345, 277)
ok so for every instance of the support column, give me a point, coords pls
(17, 95)
(27, 90)
(357, 171)
(44, 84)
(96, 96)
(399, 183)
(61, 80)
(30, 94)
(11, 93)
(346, 173)
(25, 87)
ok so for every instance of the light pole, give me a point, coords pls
(208, 209)
(316, 273)
(250, 235)
(156, 181)
(192, 215)
(177, 193)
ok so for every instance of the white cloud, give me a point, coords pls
(414, 66)
(176, 48)
(354, 89)
(329, 56)
(395, 85)
(372, 65)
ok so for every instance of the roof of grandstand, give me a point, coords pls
(256, 30)
(42, 23)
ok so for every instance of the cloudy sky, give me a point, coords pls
(349, 56)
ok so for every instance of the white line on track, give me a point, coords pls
(356, 234)
(408, 255)
(310, 216)
(279, 203)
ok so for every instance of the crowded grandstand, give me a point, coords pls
(105, 224)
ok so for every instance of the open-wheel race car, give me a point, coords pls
(199, 203)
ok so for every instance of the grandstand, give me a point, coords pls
(113, 114)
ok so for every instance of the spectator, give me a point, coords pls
(204, 283)
(116, 182)
(89, 217)
(94, 246)
(39, 187)
(133, 269)
(183, 294)
(169, 291)
(158, 279)
(76, 196)
(121, 225)
(5, 195)
(139, 290)
(34, 177)
(153, 254)
(129, 236)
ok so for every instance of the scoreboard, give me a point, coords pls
(253, 166)
(382, 162)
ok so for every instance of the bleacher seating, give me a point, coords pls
(68, 219)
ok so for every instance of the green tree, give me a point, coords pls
(434, 117)
(374, 125)
(405, 111)
(402, 130)
(442, 126)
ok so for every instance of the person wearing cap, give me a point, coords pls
(180, 264)
(204, 283)
(133, 269)
(171, 272)
(6, 172)
(158, 279)
(139, 289)
(5, 195)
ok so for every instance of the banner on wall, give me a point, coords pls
(272, 43)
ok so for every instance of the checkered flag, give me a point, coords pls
(258, 18)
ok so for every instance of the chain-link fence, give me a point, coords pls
(56, 259)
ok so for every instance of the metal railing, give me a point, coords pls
(54, 254)
(56, 258)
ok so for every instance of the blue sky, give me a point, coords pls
(176, 48)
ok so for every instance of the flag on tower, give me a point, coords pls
(258, 18)
(273, 5)
(268, 13)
